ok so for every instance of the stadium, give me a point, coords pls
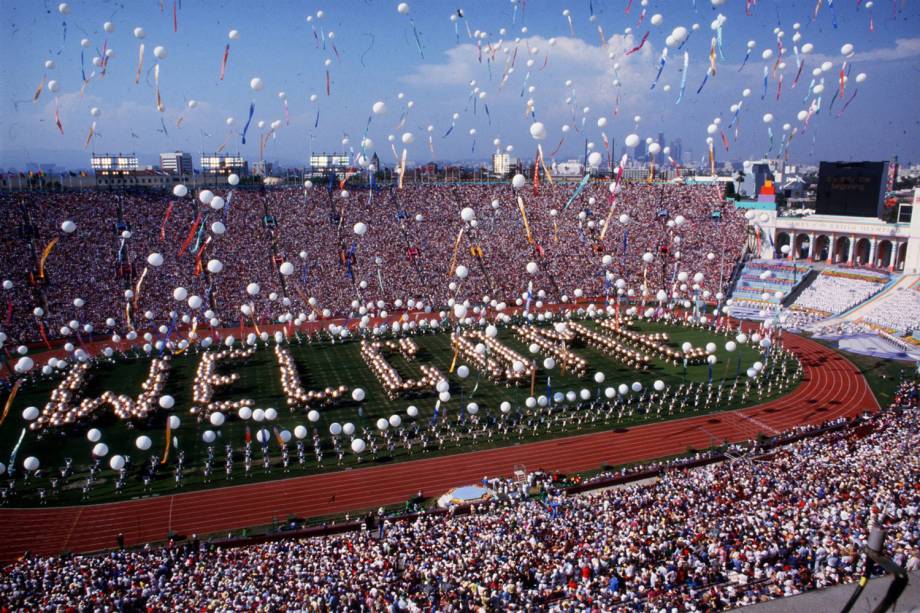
(626, 382)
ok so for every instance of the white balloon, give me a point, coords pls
(100, 450)
(143, 443)
(93, 435)
(256, 84)
(537, 131)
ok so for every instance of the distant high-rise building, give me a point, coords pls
(640, 151)
(176, 162)
(660, 157)
(502, 163)
(677, 150)
(224, 164)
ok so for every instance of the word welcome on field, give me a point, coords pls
(481, 349)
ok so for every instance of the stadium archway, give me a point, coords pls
(782, 239)
(841, 249)
(883, 254)
(802, 245)
(822, 248)
(861, 252)
(901, 256)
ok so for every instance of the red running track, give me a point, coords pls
(832, 387)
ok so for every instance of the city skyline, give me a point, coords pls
(435, 72)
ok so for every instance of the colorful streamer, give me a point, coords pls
(661, 63)
(524, 218)
(747, 56)
(191, 235)
(140, 63)
(168, 440)
(156, 80)
(9, 401)
(418, 39)
(39, 89)
(45, 253)
(252, 110)
(581, 186)
(705, 81)
(57, 115)
(847, 103)
(223, 62)
(640, 45)
(683, 77)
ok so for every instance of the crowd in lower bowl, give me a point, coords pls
(709, 538)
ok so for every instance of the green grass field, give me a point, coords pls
(320, 364)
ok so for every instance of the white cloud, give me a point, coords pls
(589, 67)
(904, 48)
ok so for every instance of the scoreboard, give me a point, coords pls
(851, 188)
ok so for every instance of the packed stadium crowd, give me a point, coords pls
(710, 538)
(412, 241)
(898, 310)
(831, 294)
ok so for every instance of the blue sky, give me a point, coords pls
(378, 58)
